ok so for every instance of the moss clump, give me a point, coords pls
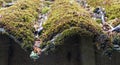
(113, 11)
(64, 15)
(71, 32)
(19, 18)
(103, 3)
(45, 10)
(112, 7)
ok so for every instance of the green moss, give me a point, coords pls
(8, 1)
(98, 21)
(45, 10)
(71, 32)
(103, 3)
(113, 11)
(111, 6)
(48, 3)
(64, 15)
(19, 18)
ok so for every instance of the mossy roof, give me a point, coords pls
(65, 15)
(18, 20)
